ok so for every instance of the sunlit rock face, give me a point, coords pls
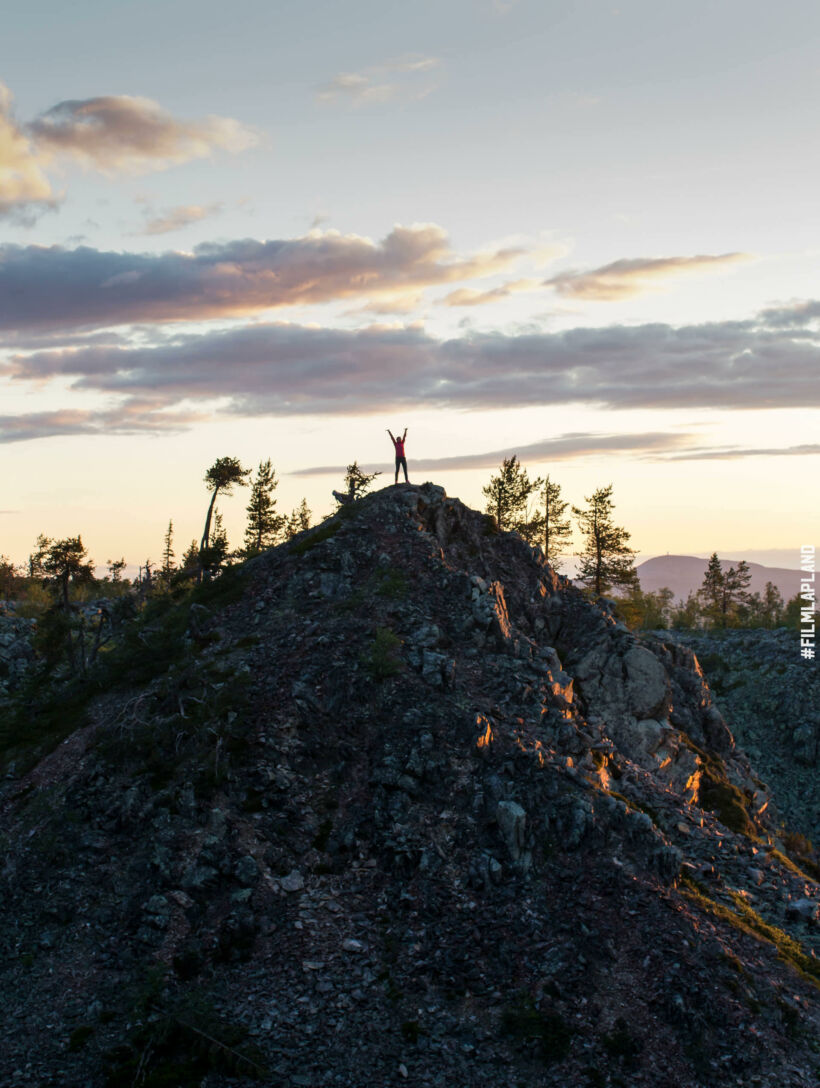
(396, 801)
(769, 698)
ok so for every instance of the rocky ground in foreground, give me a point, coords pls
(770, 698)
(391, 804)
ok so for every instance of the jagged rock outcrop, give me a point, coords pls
(396, 802)
(771, 698)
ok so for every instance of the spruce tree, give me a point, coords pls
(713, 590)
(35, 560)
(168, 552)
(265, 525)
(298, 521)
(219, 546)
(607, 560)
(737, 590)
(190, 557)
(773, 606)
(552, 527)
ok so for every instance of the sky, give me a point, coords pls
(582, 232)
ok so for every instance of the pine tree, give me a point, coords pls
(168, 552)
(507, 496)
(553, 528)
(357, 483)
(264, 524)
(115, 569)
(63, 562)
(298, 521)
(221, 476)
(606, 560)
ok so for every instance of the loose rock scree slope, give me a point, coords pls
(403, 806)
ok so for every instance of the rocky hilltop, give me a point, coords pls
(394, 803)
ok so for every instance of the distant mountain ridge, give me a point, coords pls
(684, 574)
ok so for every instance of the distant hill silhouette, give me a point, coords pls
(684, 573)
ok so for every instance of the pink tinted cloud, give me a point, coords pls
(123, 133)
(25, 190)
(469, 296)
(48, 287)
(635, 276)
(183, 215)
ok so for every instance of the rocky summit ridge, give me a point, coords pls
(395, 803)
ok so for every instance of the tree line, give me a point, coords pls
(721, 602)
(535, 509)
(58, 571)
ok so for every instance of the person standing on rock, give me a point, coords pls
(401, 460)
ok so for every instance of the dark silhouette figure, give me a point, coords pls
(401, 460)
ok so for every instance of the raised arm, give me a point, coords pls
(404, 435)
(392, 439)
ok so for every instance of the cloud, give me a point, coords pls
(793, 315)
(25, 191)
(380, 83)
(732, 453)
(413, 63)
(49, 287)
(635, 276)
(177, 218)
(128, 419)
(356, 89)
(563, 448)
(112, 134)
(391, 304)
(469, 296)
(287, 369)
(122, 133)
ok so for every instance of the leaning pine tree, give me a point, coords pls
(220, 477)
(607, 560)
